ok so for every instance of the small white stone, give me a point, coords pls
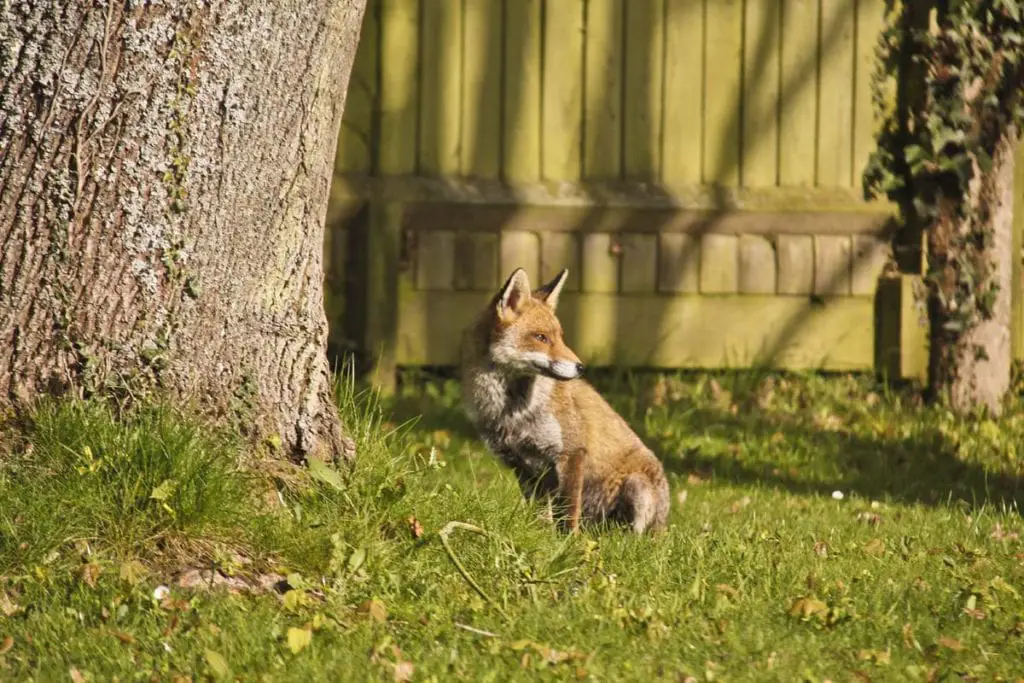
(838, 495)
(161, 592)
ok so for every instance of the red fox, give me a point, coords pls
(522, 390)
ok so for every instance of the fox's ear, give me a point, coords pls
(514, 294)
(549, 292)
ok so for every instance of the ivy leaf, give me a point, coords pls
(299, 639)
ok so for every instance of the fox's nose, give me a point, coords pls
(579, 368)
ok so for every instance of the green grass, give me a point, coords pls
(916, 573)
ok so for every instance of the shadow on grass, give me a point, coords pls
(874, 447)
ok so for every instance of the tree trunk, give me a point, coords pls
(164, 174)
(972, 368)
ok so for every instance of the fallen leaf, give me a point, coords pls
(299, 639)
(91, 572)
(126, 638)
(872, 518)
(375, 608)
(805, 608)
(322, 472)
(694, 479)
(6, 646)
(875, 547)
(404, 671)
(951, 643)
(740, 504)
(821, 549)
(217, 663)
(76, 675)
(415, 527)
(132, 572)
(681, 496)
(975, 613)
(909, 641)
(356, 559)
(1000, 535)
(879, 657)
(8, 606)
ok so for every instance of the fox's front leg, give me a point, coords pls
(570, 485)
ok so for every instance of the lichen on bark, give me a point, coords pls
(164, 173)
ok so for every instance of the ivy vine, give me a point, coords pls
(948, 86)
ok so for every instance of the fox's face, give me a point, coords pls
(527, 337)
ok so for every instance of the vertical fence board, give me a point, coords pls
(520, 249)
(355, 139)
(560, 250)
(639, 263)
(441, 74)
(722, 91)
(870, 15)
(645, 59)
(399, 87)
(798, 97)
(835, 94)
(481, 88)
(682, 139)
(562, 108)
(521, 99)
(602, 114)
(761, 93)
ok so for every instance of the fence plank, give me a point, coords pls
(835, 94)
(560, 250)
(602, 114)
(562, 100)
(658, 331)
(399, 86)
(441, 74)
(798, 97)
(722, 90)
(682, 139)
(521, 99)
(639, 267)
(520, 249)
(355, 139)
(599, 263)
(645, 59)
(481, 88)
(761, 93)
(678, 263)
(870, 15)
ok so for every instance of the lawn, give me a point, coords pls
(823, 528)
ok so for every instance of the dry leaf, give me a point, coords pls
(132, 572)
(875, 547)
(299, 639)
(951, 643)
(681, 496)
(76, 675)
(8, 606)
(415, 527)
(909, 640)
(91, 572)
(1000, 535)
(404, 671)
(872, 518)
(821, 549)
(6, 646)
(694, 479)
(126, 638)
(375, 608)
(217, 663)
(975, 613)
(739, 504)
(807, 607)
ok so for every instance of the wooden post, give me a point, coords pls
(1017, 293)
(901, 339)
(383, 254)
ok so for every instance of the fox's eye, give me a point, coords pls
(541, 338)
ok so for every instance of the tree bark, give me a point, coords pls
(164, 174)
(972, 368)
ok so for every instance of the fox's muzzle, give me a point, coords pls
(565, 370)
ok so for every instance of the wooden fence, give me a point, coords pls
(695, 163)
